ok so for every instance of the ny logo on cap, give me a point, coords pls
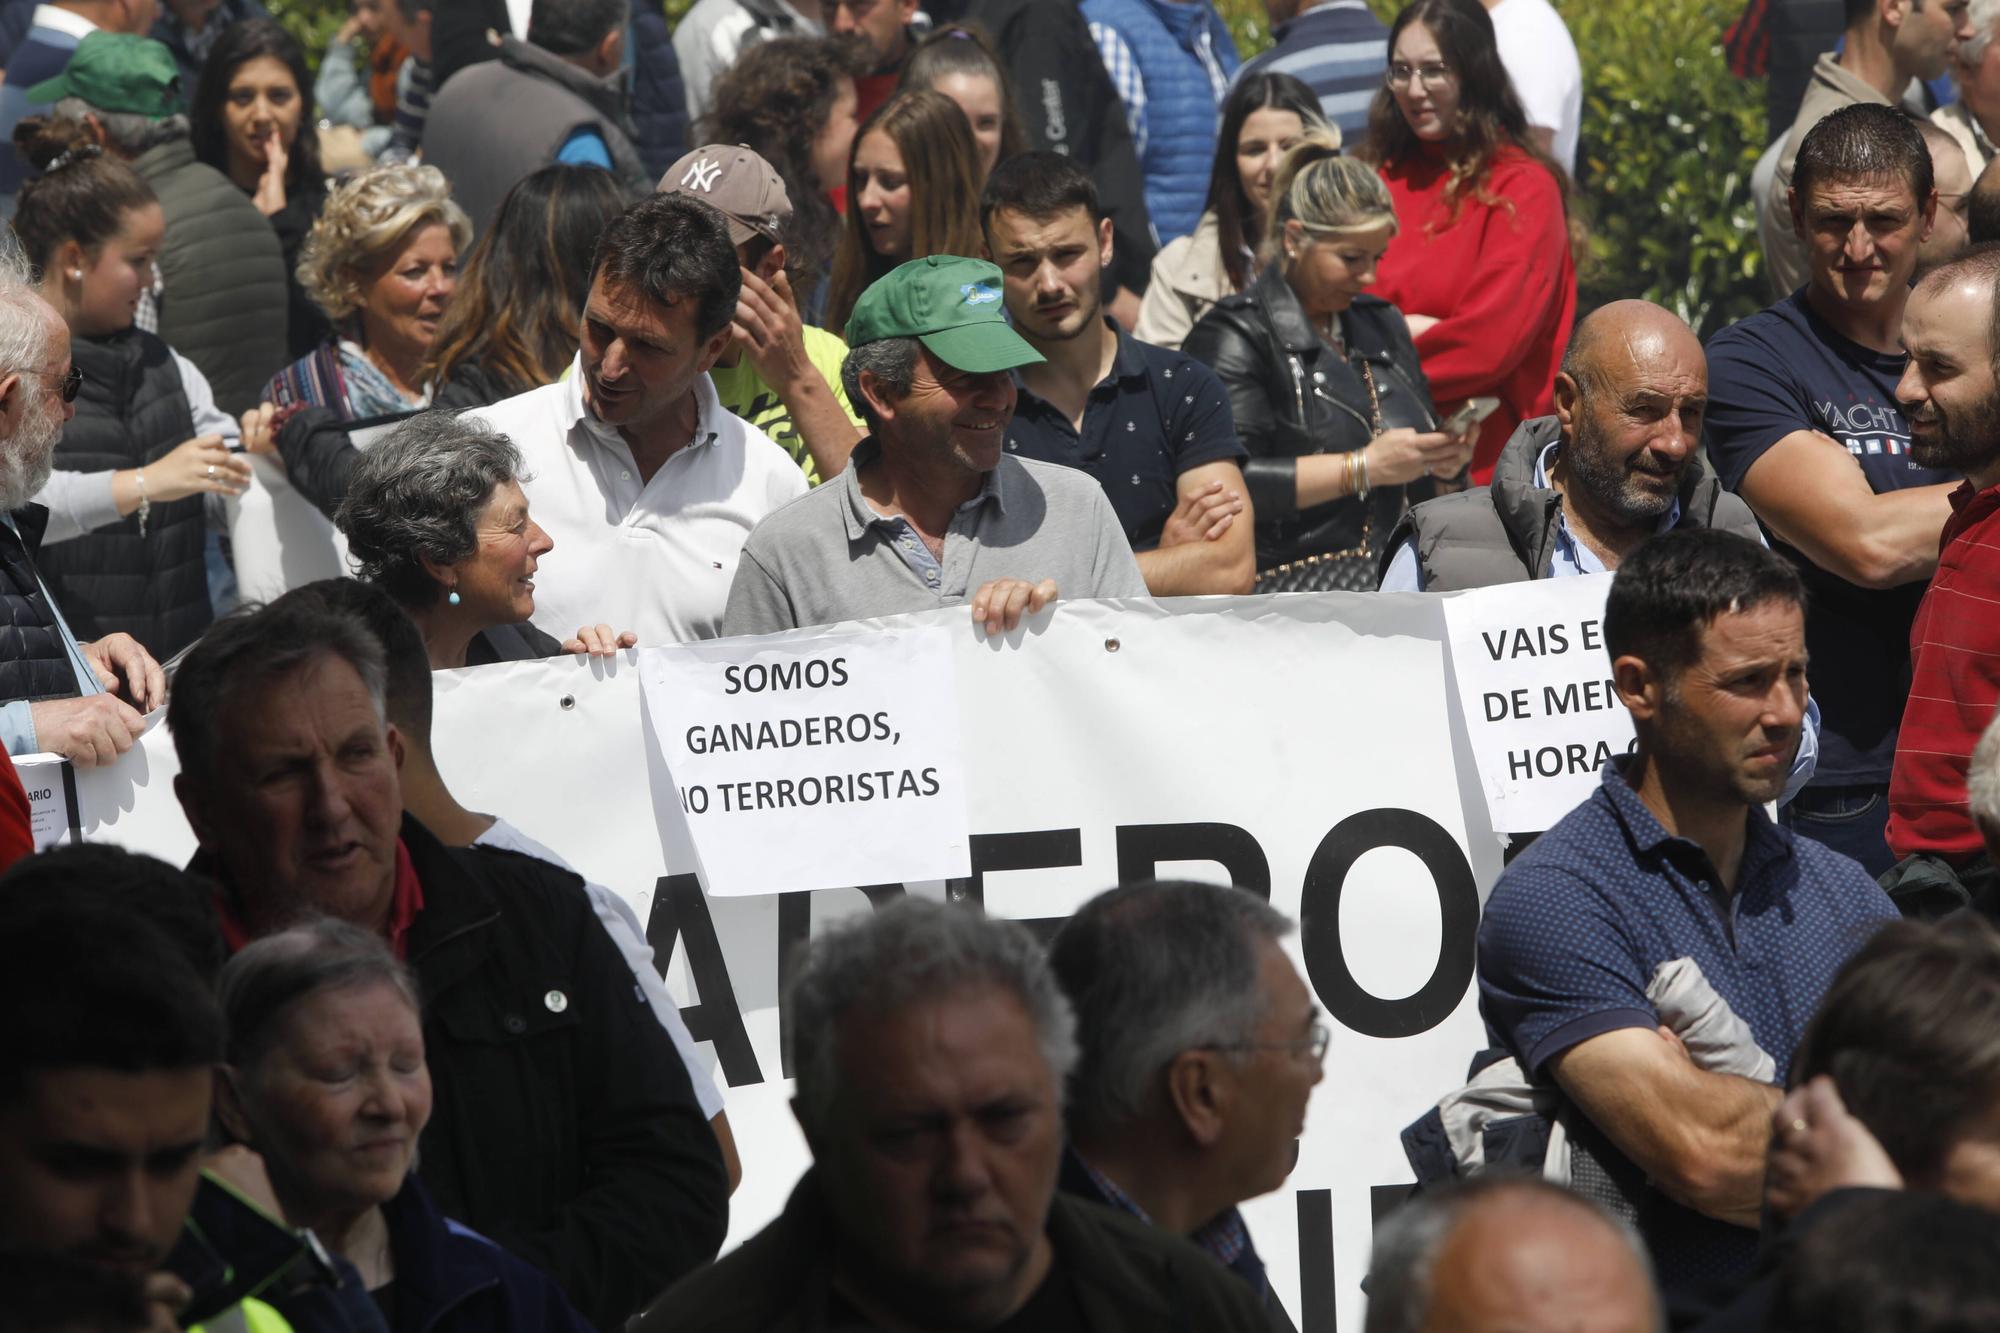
(979, 293)
(701, 176)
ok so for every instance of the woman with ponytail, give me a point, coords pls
(127, 533)
(1324, 381)
(1485, 265)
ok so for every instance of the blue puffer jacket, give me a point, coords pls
(1165, 36)
(659, 98)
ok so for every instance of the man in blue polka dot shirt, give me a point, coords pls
(1673, 857)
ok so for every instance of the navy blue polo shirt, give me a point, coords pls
(1159, 413)
(1576, 926)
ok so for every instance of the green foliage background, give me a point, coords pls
(1669, 138)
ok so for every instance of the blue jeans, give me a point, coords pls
(1853, 821)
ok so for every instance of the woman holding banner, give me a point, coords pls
(434, 515)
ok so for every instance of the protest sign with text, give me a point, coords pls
(1535, 683)
(813, 763)
(1304, 748)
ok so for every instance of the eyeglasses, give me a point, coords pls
(1314, 1043)
(1434, 75)
(72, 383)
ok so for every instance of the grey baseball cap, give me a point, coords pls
(740, 185)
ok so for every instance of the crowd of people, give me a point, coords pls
(588, 332)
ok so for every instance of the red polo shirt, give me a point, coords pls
(405, 903)
(1954, 684)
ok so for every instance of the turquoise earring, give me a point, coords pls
(453, 599)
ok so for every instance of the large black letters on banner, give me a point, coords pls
(1043, 849)
(680, 911)
(794, 927)
(1141, 848)
(1319, 922)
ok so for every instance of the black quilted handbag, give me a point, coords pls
(1352, 570)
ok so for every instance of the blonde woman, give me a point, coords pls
(1324, 380)
(382, 262)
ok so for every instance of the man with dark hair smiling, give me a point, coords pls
(1153, 425)
(1673, 858)
(1951, 395)
(635, 469)
(1803, 423)
(932, 511)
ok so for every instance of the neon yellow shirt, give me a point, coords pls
(744, 392)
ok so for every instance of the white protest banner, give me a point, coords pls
(54, 817)
(279, 539)
(1302, 747)
(1535, 683)
(813, 763)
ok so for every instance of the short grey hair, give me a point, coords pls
(1403, 1262)
(1984, 15)
(24, 316)
(126, 133)
(891, 360)
(419, 494)
(1153, 970)
(908, 953)
(1982, 783)
(252, 649)
(271, 976)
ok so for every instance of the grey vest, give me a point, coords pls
(500, 120)
(1506, 532)
(222, 272)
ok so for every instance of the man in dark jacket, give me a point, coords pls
(222, 271)
(565, 1127)
(559, 96)
(1200, 1046)
(933, 1042)
(1577, 492)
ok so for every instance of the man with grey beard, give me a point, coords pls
(83, 701)
(1577, 492)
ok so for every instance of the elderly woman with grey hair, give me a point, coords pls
(435, 516)
(326, 1080)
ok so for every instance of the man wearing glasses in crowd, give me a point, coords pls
(83, 701)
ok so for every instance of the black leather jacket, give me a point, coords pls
(1293, 396)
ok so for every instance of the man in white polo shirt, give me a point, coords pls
(646, 483)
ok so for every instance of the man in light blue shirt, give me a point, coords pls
(61, 697)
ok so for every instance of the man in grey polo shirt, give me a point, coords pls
(930, 509)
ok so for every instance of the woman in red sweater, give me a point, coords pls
(1481, 265)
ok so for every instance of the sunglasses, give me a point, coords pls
(72, 383)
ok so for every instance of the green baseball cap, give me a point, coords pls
(951, 305)
(117, 71)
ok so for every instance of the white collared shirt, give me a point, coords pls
(65, 21)
(655, 557)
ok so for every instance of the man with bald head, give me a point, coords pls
(1951, 395)
(1577, 492)
(1508, 1253)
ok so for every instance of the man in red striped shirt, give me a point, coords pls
(1950, 394)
